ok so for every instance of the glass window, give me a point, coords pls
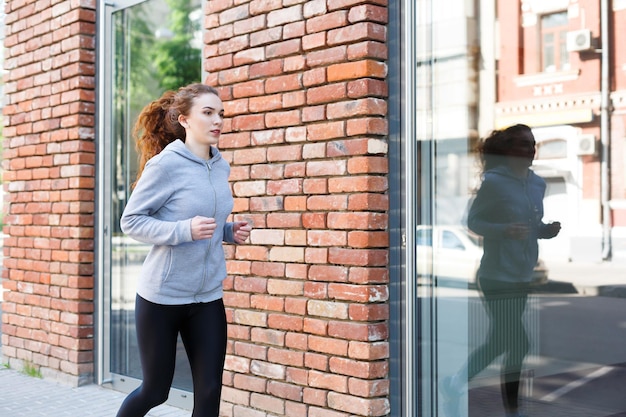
(552, 149)
(555, 56)
(154, 46)
(509, 317)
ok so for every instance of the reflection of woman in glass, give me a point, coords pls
(180, 205)
(507, 212)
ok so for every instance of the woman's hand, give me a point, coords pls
(552, 229)
(202, 227)
(241, 231)
(517, 231)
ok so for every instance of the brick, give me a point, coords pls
(363, 221)
(296, 375)
(283, 390)
(284, 15)
(333, 20)
(314, 114)
(370, 312)
(293, 30)
(355, 70)
(234, 75)
(323, 380)
(366, 126)
(329, 238)
(283, 83)
(330, 273)
(314, 77)
(316, 361)
(266, 103)
(358, 293)
(283, 49)
(249, 89)
(314, 8)
(358, 369)
(317, 397)
(234, 44)
(326, 56)
(370, 351)
(268, 370)
(249, 383)
(326, 93)
(367, 389)
(368, 202)
(359, 107)
(294, 99)
(368, 12)
(267, 303)
(284, 187)
(314, 41)
(328, 309)
(294, 63)
(252, 24)
(367, 87)
(370, 407)
(266, 69)
(264, 6)
(265, 37)
(285, 153)
(249, 350)
(295, 134)
(285, 357)
(268, 269)
(357, 32)
(325, 202)
(358, 184)
(282, 119)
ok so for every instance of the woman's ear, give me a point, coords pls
(182, 120)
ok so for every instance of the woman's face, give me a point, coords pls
(522, 150)
(205, 120)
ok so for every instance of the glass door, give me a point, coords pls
(147, 47)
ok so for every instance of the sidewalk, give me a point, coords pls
(25, 396)
(607, 279)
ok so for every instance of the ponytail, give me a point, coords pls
(157, 125)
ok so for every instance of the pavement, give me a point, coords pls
(26, 396)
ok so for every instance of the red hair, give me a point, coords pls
(157, 124)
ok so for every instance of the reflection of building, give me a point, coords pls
(550, 76)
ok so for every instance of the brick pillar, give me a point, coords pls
(304, 85)
(49, 180)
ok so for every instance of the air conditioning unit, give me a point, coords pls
(586, 145)
(579, 40)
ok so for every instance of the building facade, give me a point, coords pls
(350, 128)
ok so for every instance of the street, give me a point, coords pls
(577, 362)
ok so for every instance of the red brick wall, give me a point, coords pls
(49, 180)
(305, 95)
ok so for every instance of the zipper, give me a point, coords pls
(209, 241)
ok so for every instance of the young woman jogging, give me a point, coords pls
(180, 205)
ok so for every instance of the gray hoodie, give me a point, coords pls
(501, 200)
(175, 186)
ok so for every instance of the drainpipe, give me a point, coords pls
(605, 104)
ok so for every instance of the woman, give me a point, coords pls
(180, 204)
(507, 212)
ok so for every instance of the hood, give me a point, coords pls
(504, 170)
(178, 147)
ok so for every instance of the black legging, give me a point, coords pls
(505, 304)
(202, 327)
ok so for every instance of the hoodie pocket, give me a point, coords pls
(513, 257)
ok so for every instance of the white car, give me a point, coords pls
(453, 252)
